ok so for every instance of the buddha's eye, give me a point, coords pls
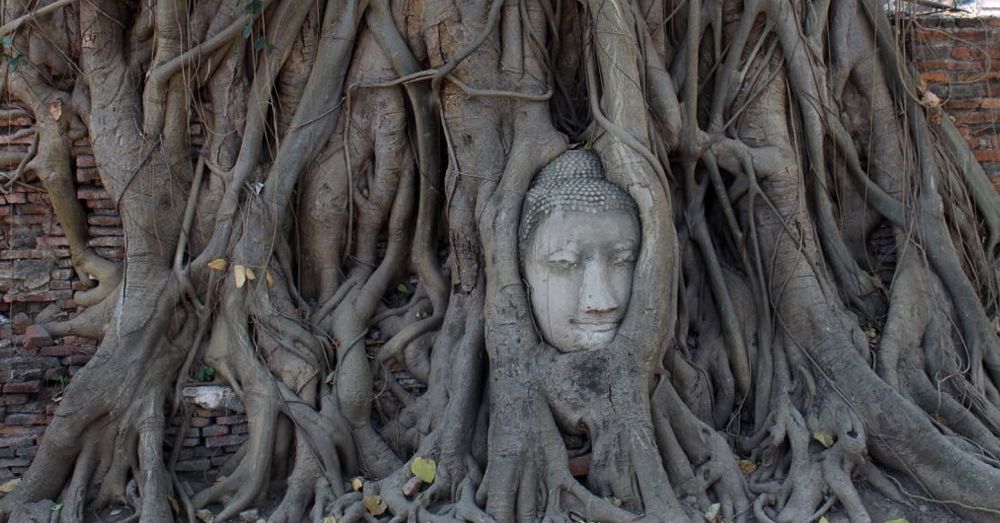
(563, 263)
(624, 258)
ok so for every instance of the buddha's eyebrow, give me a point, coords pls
(563, 252)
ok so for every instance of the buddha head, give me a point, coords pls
(579, 240)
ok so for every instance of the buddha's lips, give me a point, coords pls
(603, 326)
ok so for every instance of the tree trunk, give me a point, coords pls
(356, 215)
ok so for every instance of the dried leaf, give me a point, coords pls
(374, 505)
(218, 264)
(930, 99)
(9, 486)
(898, 520)
(240, 273)
(268, 279)
(250, 274)
(174, 505)
(424, 468)
(712, 514)
(205, 516)
(329, 519)
(822, 519)
(746, 466)
(825, 438)
(356, 484)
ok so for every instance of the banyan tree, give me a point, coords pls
(516, 260)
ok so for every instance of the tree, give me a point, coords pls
(763, 370)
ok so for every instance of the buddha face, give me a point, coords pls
(579, 267)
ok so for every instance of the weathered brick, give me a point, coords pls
(14, 420)
(231, 420)
(225, 441)
(57, 351)
(200, 422)
(194, 465)
(22, 386)
(35, 336)
(214, 430)
(18, 441)
(13, 399)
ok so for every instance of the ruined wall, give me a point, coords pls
(958, 57)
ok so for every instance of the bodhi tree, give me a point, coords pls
(686, 313)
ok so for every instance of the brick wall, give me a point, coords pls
(36, 274)
(958, 57)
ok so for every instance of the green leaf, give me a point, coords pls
(14, 62)
(8, 40)
(403, 288)
(424, 468)
(206, 374)
(57, 507)
(247, 29)
(260, 42)
(254, 6)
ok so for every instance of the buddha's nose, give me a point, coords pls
(596, 293)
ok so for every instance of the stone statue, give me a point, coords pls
(579, 240)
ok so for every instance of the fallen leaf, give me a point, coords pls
(746, 466)
(825, 438)
(250, 274)
(713, 512)
(898, 520)
(268, 279)
(424, 468)
(930, 99)
(173, 504)
(822, 519)
(205, 516)
(9, 486)
(329, 519)
(356, 484)
(240, 273)
(374, 505)
(218, 264)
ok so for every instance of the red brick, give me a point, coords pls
(988, 156)
(21, 321)
(966, 53)
(936, 78)
(224, 441)
(200, 422)
(16, 197)
(214, 430)
(230, 420)
(16, 442)
(13, 399)
(14, 420)
(35, 336)
(23, 386)
(56, 351)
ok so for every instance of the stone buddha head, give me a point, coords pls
(579, 239)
